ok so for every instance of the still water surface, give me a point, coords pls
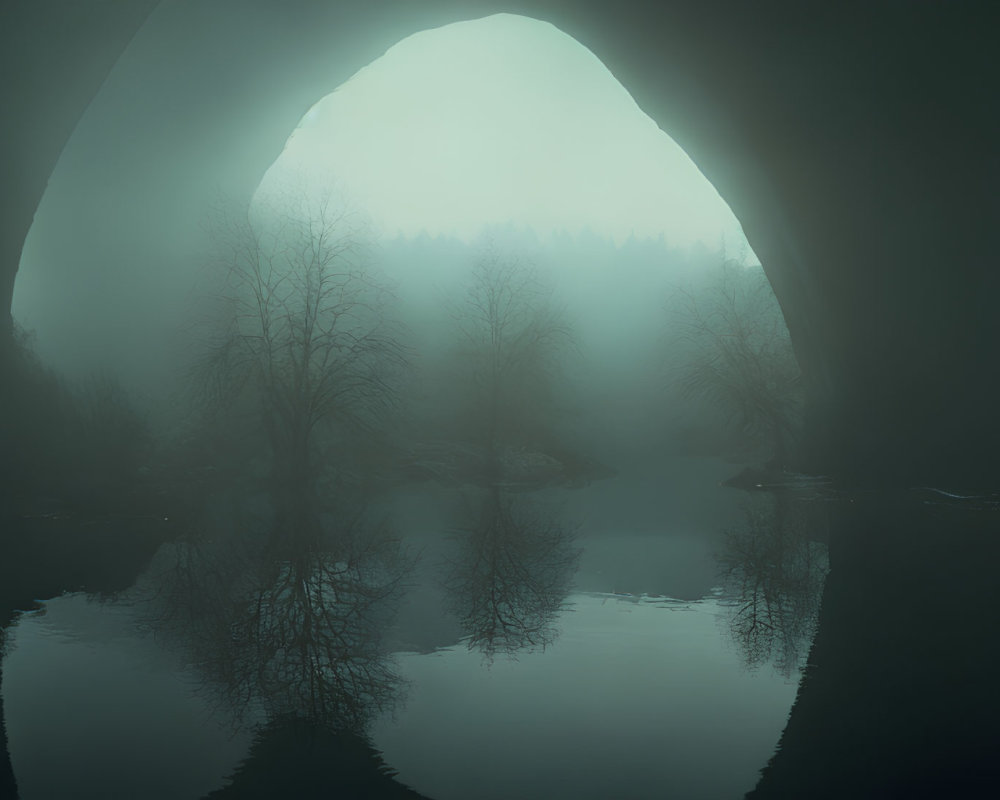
(638, 684)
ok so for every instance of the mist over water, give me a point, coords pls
(394, 410)
(411, 452)
(445, 135)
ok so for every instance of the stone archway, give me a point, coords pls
(855, 146)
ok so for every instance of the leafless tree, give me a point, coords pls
(512, 338)
(282, 586)
(738, 355)
(298, 350)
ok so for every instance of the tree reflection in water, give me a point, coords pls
(511, 575)
(294, 758)
(290, 628)
(774, 568)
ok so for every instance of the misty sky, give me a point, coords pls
(502, 119)
(498, 120)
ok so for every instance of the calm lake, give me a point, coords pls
(616, 640)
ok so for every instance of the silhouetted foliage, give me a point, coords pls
(296, 375)
(511, 341)
(70, 448)
(112, 438)
(738, 356)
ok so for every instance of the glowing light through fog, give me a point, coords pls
(502, 119)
